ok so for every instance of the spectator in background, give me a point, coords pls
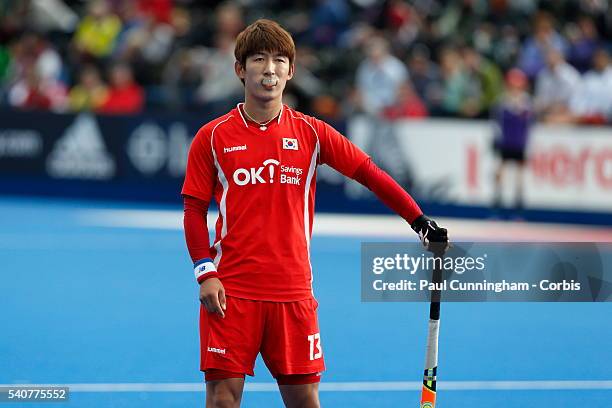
(32, 51)
(483, 38)
(190, 80)
(159, 10)
(182, 25)
(229, 19)
(218, 91)
(181, 77)
(124, 96)
(33, 92)
(133, 19)
(328, 21)
(592, 103)
(556, 86)
(34, 74)
(90, 92)
(162, 39)
(13, 19)
(403, 22)
(506, 47)
(458, 19)
(532, 58)
(306, 85)
(584, 41)
(379, 77)
(156, 42)
(461, 91)
(147, 46)
(512, 119)
(425, 78)
(96, 34)
(489, 76)
(408, 106)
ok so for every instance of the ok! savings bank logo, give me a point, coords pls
(259, 175)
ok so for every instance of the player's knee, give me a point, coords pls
(224, 400)
(223, 397)
(308, 399)
(300, 391)
(223, 389)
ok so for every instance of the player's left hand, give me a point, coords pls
(430, 233)
(212, 296)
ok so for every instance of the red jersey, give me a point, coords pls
(263, 179)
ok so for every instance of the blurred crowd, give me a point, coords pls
(390, 59)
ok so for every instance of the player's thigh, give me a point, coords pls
(225, 393)
(292, 342)
(231, 343)
(300, 396)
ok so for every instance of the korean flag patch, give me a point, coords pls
(290, 144)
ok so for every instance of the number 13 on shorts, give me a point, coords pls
(315, 346)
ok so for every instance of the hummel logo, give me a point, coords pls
(216, 350)
(234, 148)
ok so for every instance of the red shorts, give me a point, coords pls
(285, 333)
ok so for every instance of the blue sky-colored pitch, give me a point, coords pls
(82, 304)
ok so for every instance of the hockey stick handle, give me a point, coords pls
(434, 307)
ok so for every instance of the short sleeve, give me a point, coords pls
(201, 172)
(337, 151)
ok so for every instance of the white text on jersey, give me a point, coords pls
(234, 148)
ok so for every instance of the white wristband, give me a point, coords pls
(203, 267)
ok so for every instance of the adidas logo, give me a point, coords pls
(80, 153)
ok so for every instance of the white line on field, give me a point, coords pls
(342, 386)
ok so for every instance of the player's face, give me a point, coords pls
(265, 75)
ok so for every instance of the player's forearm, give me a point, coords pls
(196, 237)
(387, 190)
(196, 228)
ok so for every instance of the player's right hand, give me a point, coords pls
(212, 296)
(433, 237)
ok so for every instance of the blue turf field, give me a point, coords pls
(82, 304)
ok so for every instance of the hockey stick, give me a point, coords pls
(428, 392)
